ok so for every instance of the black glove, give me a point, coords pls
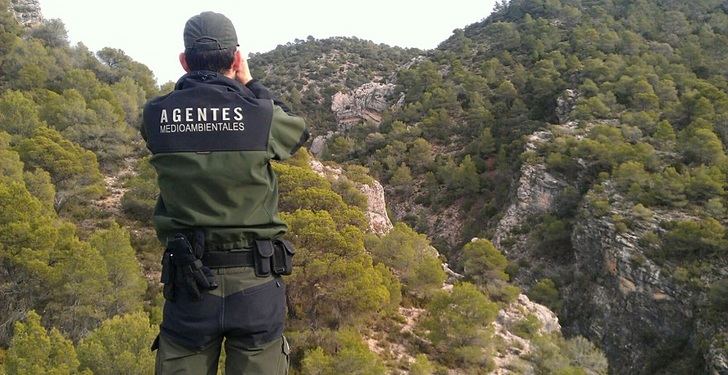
(181, 268)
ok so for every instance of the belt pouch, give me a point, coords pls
(283, 258)
(262, 256)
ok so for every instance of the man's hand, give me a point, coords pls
(242, 75)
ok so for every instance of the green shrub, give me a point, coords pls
(347, 354)
(527, 327)
(349, 193)
(139, 200)
(695, 238)
(486, 267)
(546, 293)
(552, 354)
(421, 366)
(641, 212)
(119, 346)
(459, 324)
(35, 350)
(718, 295)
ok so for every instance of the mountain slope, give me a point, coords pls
(79, 261)
(626, 200)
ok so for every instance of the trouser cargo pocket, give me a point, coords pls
(256, 315)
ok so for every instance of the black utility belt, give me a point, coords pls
(267, 256)
(228, 259)
(187, 266)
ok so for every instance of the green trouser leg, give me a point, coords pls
(175, 359)
(269, 359)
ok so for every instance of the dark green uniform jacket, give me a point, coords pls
(212, 141)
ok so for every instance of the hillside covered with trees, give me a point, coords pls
(79, 262)
(587, 138)
(581, 141)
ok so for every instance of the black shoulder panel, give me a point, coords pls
(207, 118)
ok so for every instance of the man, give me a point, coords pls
(212, 140)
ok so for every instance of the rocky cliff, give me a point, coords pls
(363, 104)
(536, 192)
(27, 12)
(638, 310)
(515, 351)
(376, 211)
(621, 299)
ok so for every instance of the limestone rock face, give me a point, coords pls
(27, 12)
(535, 192)
(636, 310)
(565, 105)
(716, 358)
(365, 103)
(376, 212)
(319, 143)
(516, 349)
(623, 300)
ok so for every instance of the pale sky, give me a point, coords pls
(150, 31)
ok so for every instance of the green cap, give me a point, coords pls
(210, 31)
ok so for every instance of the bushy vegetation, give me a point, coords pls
(45, 266)
(68, 115)
(411, 257)
(139, 200)
(552, 354)
(546, 293)
(486, 267)
(459, 325)
(344, 353)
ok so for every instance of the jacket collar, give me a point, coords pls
(205, 77)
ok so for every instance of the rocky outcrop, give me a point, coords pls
(536, 191)
(642, 317)
(565, 105)
(622, 300)
(515, 349)
(27, 12)
(319, 143)
(716, 358)
(376, 207)
(363, 104)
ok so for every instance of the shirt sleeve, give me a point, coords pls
(287, 133)
(262, 92)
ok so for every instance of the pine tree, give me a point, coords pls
(127, 283)
(35, 351)
(119, 346)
